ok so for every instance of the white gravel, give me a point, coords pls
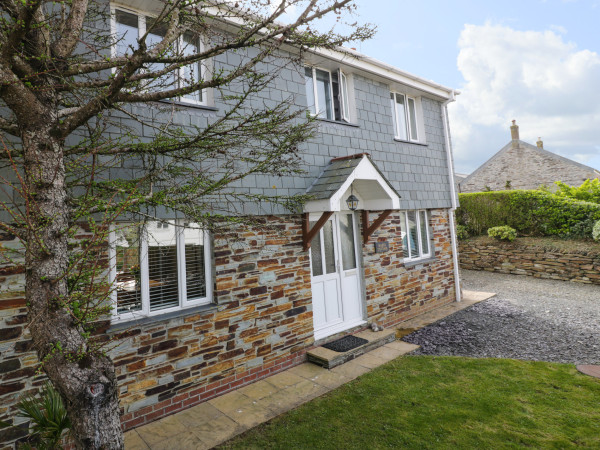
(530, 318)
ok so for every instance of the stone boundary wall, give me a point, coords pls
(536, 261)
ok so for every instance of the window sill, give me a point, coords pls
(411, 142)
(147, 320)
(338, 122)
(416, 262)
(189, 105)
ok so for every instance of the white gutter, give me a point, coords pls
(453, 194)
(357, 60)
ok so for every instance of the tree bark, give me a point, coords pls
(86, 380)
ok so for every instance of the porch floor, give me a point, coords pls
(218, 420)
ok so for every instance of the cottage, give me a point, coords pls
(519, 165)
(375, 242)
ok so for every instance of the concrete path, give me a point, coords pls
(220, 419)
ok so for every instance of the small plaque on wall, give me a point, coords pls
(382, 247)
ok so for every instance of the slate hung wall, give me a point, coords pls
(260, 320)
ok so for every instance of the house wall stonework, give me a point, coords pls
(397, 291)
(525, 167)
(261, 322)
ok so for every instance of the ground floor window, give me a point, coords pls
(415, 234)
(159, 267)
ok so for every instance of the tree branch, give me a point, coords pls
(71, 30)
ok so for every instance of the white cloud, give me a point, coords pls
(548, 85)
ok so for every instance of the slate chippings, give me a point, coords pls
(529, 319)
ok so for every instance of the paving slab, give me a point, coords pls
(243, 410)
(402, 346)
(163, 429)
(133, 441)
(198, 414)
(351, 370)
(286, 399)
(187, 440)
(589, 369)
(258, 390)
(285, 379)
(370, 361)
(216, 431)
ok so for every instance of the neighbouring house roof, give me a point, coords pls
(357, 174)
(524, 144)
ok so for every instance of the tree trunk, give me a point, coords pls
(85, 380)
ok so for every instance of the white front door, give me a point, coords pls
(336, 280)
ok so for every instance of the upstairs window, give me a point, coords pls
(128, 27)
(415, 234)
(404, 111)
(327, 94)
(159, 267)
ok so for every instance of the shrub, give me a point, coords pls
(503, 233)
(461, 232)
(531, 213)
(48, 418)
(596, 231)
(589, 191)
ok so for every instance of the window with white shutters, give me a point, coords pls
(159, 267)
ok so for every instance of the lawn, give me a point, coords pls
(445, 402)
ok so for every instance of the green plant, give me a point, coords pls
(48, 416)
(462, 232)
(589, 191)
(530, 212)
(596, 231)
(503, 233)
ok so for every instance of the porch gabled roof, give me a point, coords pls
(357, 174)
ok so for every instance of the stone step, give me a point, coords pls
(330, 359)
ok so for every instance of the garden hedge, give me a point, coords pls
(531, 213)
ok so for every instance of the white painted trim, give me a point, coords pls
(141, 15)
(184, 303)
(363, 171)
(357, 60)
(429, 254)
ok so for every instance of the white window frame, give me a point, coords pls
(343, 95)
(408, 124)
(184, 302)
(141, 15)
(429, 254)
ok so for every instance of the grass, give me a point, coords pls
(445, 403)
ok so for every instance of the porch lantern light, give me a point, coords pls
(352, 201)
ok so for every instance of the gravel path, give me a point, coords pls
(530, 318)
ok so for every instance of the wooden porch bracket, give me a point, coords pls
(367, 230)
(308, 235)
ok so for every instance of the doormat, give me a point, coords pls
(346, 343)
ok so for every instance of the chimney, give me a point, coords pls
(514, 134)
(540, 143)
(514, 130)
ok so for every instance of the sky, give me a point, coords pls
(534, 61)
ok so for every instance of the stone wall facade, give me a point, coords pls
(259, 324)
(520, 259)
(524, 166)
(397, 291)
